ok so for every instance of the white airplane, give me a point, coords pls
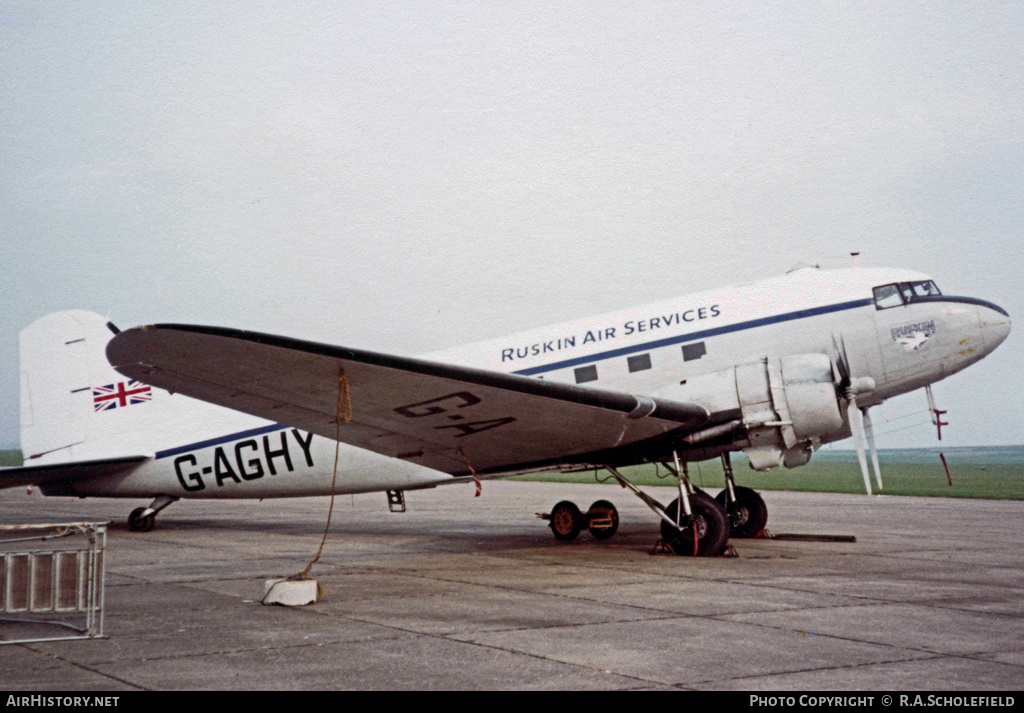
(774, 368)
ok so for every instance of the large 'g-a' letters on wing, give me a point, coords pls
(436, 415)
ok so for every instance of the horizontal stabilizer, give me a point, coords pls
(49, 473)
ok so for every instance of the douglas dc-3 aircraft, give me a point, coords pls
(775, 369)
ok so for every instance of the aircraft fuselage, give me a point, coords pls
(760, 357)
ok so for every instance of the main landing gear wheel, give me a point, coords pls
(749, 514)
(566, 521)
(705, 535)
(138, 522)
(602, 520)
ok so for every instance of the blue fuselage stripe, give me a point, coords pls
(554, 366)
(693, 336)
(218, 441)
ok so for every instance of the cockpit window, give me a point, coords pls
(926, 288)
(902, 293)
(887, 296)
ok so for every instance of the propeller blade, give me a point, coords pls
(847, 388)
(857, 428)
(869, 431)
(841, 364)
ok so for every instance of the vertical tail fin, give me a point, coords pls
(74, 406)
(61, 358)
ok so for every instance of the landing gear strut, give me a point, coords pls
(143, 519)
(745, 508)
(694, 524)
(701, 528)
(705, 532)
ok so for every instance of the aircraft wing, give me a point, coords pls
(438, 415)
(48, 473)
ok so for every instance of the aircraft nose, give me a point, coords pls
(995, 324)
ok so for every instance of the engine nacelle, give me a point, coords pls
(783, 404)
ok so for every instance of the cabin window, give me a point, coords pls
(694, 351)
(640, 362)
(586, 373)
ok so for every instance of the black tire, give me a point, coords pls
(709, 523)
(604, 511)
(139, 523)
(566, 521)
(748, 516)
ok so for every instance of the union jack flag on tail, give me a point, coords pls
(123, 393)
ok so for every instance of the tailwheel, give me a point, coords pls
(143, 519)
(707, 532)
(566, 521)
(602, 520)
(748, 515)
(138, 521)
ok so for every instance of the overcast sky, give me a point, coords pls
(408, 176)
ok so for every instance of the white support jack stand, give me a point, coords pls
(291, 592)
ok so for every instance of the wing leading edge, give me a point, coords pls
(437, 415)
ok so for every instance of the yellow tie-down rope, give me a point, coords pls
(343, 396)
(344, 400)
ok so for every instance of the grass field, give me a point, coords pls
(994, 473)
